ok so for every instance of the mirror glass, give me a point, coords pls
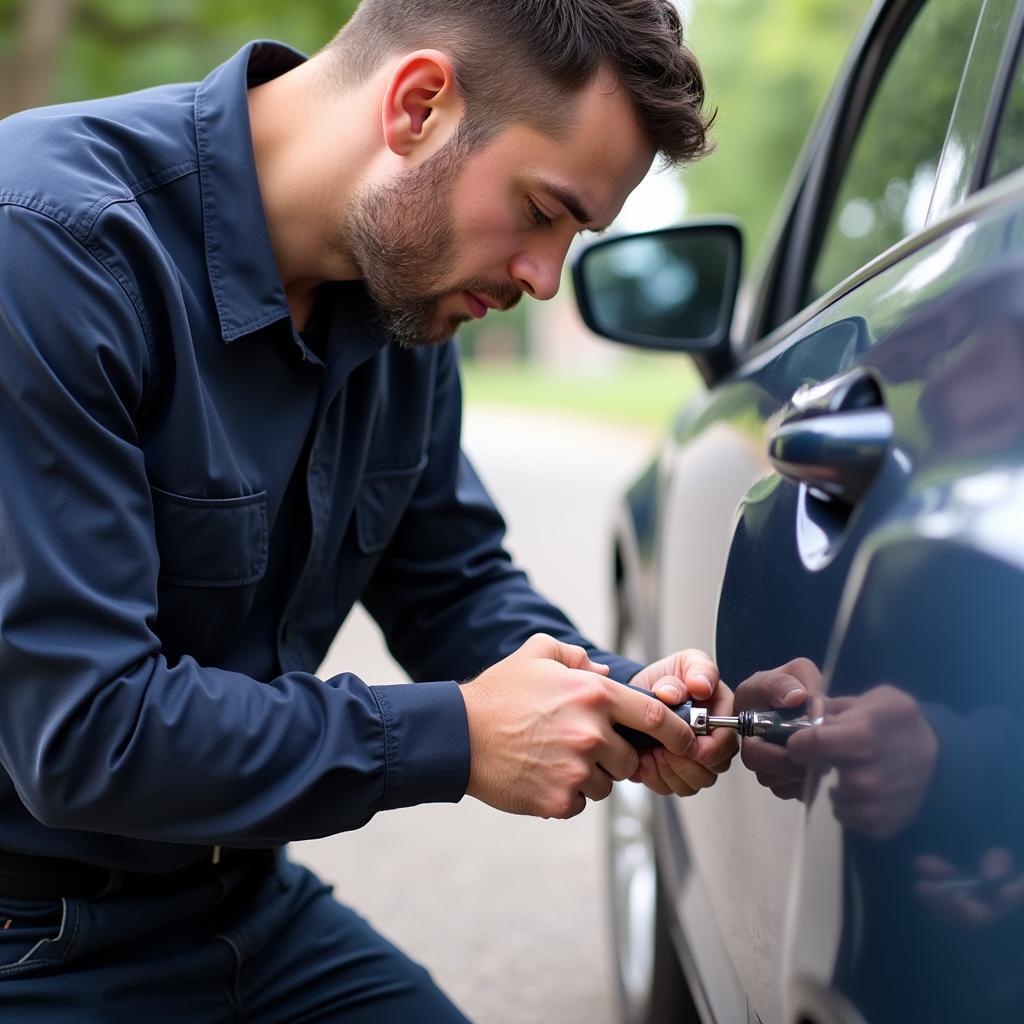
(667, 289)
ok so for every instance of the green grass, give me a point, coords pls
(644, 391)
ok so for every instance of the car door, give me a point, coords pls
(777, 556)
(929, 620)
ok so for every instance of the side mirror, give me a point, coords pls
(672, 289)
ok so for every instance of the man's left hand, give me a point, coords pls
(687, 675)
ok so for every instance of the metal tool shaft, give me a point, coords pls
(774, 726)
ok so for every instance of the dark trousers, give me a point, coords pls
(228, 948)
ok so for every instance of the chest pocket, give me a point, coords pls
(383, 498)
(213, 553)
(211, 542)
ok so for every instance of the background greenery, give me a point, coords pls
(768, 66)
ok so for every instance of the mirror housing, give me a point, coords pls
(673, 289)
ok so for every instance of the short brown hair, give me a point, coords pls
(513, 57)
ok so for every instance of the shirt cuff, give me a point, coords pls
(426, 742)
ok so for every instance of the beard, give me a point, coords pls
(401, 236)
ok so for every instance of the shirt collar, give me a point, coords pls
(240, 262)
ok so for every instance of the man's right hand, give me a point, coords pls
(541, 731)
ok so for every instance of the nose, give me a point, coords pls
(539, 272)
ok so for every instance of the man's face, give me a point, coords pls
(442, 243)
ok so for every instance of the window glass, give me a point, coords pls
(1009, 150)
(886, 186)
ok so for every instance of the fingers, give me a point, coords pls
(689, 673)
(669, 690)
(932, 868)
(768, 759)
(649, 716)
(717, 750)
(954, 908)
(619, 758)
(842, 742)
(773, 768)
(699, 673)
(540, 645)
(996, 864)
(785, 687)
(650, 775)
(668, 774)
(576, 806)
(681, 775)
(970, 900)
(598, 785)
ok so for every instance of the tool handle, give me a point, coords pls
(642, 740)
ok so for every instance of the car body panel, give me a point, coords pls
(717, 550)
(741, 840)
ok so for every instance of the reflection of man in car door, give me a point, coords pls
(931, 791)
(921, 752)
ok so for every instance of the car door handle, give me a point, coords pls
(837, 453)
(836, 437)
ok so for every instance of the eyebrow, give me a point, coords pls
(572, 202)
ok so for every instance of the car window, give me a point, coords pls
(886, 185)
(1008, 154)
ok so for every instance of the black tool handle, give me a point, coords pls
(642, 740)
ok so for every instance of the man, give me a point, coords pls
(229, 409)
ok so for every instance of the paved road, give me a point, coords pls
(508, 913)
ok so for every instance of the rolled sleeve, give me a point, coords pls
(426, 743)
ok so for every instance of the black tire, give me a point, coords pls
(650, 982)
(652, 988)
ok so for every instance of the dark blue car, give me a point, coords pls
(843, 504)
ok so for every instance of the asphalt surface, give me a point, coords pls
(508, 913)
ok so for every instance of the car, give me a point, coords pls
(847, 489)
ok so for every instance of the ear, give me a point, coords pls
(422, 106)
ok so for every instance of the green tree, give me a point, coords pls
(768, 67)
(888, 179)
(53, 50)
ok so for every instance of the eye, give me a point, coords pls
(537, 215)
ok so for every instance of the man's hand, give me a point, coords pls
(687, 675)
(974, 901)
(880, 742)
(541, 730)
(788, 686)
(885, 751)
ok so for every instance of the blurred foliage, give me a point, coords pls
(889, 178)
(644, 391)
(768, 68)
(110, 46)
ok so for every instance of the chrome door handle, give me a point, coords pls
(836, 453)
(835, 437)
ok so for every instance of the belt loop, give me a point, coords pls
(216, 855)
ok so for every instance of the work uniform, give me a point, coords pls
(192, 497)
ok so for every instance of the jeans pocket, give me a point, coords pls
(35, 933)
